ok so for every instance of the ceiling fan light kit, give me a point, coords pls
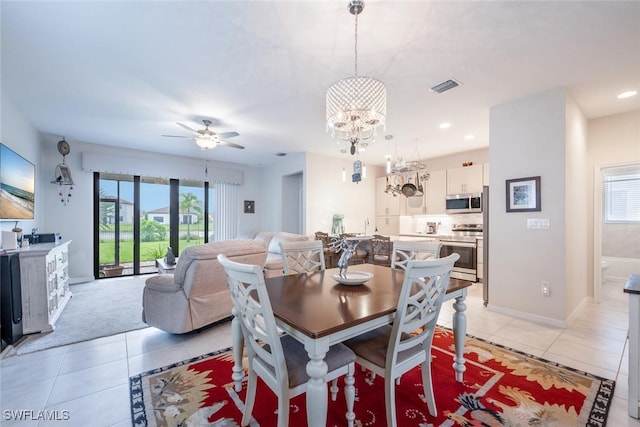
(208, 139)
(356, 106)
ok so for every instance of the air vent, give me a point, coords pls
(445, 86)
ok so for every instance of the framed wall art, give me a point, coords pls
(523, 194)
(249, 206)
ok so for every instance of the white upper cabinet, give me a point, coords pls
(436, 193)
(467, 179)
(387, 204)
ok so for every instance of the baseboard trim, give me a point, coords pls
(529, 317)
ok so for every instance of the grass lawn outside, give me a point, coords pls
(149, 251)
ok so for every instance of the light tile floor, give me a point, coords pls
(89, 381)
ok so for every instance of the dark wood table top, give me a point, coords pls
(317, 305)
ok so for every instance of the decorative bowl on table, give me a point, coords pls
(353, 277)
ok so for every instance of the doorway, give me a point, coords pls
(616, 217)
(293, 203)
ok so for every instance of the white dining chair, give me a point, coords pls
(405, 250)
(392, 350)
(303, 256)
(280, 360)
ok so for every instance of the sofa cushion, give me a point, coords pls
(265, 236)
(211, 250)
(274, 243)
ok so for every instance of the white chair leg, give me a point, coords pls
(350, 394)
(428, 388)
(250, 397)
(334, 389)
(390, 401)
(283, 410)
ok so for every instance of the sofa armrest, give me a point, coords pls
(162, 283)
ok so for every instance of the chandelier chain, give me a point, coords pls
(355, 48)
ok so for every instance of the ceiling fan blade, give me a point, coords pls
(182, 125)
(227, 134)
(178, 136)
(230, 144)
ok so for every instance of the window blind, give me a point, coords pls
(227, 211)
(622, 194)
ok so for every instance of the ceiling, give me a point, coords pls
(124, 73)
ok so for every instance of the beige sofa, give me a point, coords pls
(273, 265)
(196, 295)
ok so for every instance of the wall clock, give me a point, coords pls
(63, 147)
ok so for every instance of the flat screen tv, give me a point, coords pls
(17, 185)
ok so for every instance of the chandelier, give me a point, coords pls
(356, 106)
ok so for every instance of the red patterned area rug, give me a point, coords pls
(502, 387)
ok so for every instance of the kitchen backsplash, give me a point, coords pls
(417, 224)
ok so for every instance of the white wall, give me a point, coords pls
(270, 188)
(327, 194)
(576, 205)
(455, 160)
(527, 138)
(75, 220)
(18, 134)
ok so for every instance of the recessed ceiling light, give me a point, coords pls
(628, 94)
(445, 125)
(470, 136)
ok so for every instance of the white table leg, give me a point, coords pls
(317, 401)
(459, 334)
(237, 343)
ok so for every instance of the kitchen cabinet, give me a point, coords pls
(463, 180)
(387, 204)
(44, 269)
(436, 192)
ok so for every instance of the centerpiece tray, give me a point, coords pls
(353, 277)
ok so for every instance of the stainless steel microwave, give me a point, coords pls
(464, 203)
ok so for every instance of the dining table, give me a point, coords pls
(318, 311)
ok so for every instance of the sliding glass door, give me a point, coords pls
(138, 219)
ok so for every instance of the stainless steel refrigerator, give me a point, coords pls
(485, 243)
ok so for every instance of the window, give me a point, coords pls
(137, 218)
(622, 194)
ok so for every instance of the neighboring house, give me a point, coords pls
(162, 216)
(125, 213)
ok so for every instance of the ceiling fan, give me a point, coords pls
(206, 138)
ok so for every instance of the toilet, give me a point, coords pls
(604, 266)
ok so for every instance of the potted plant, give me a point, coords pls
(112, 270)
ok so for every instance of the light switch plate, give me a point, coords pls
(538, 223)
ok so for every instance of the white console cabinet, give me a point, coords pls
(44, 271)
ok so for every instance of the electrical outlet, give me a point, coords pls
(546, 289)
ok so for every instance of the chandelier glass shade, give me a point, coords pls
(356, 106)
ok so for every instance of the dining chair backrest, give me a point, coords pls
(280, 361)
(380, 249)
(406, 250)
(302, 256)
(423, 289)
(253, 310)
